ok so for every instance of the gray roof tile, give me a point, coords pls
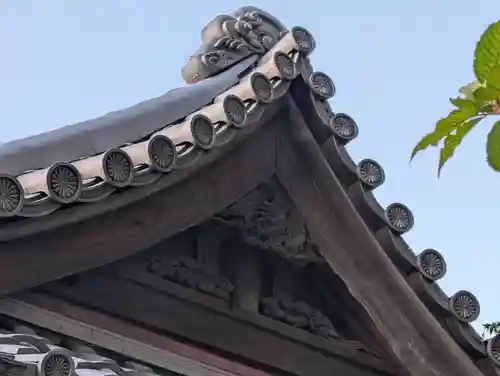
(38, 356)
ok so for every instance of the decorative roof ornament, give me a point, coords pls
(321, 85)
(493, 349)
(370, 173)
(229, 39)
(285, 65)
(344, 127)
(465, 306)
(262, 87)
(431, 264)
(118, 168)
(64, 183)
(162, 153)
(11, 196)
(57, 362)
(399, 218)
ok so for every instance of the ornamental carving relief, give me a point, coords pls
(273, 225)
(199, 272)
(251, 257)
(188, 272)
(300, 315)
(229, 39)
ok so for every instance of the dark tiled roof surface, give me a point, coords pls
(24, 352)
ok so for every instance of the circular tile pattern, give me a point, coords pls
(493, 349)
(431, 264)
(118, 168)
(285, 65)
(322, 85)
(371, 173)
(11, 196)
(262, 88)
(344, 127)
(162, 153)
(57, 364)
(399, 217)
(235, 111)
(465, 306)
(304, 40)
(203, 131)
(64, 183)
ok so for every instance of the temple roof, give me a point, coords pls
(247, 63)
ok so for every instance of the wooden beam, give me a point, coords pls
(241, 335)
(415, 337)
(118, 336)
(12, 230)
(141, 224)
(246, 276)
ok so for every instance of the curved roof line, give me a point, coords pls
(279, 66)
(116, 128)
(248, 64)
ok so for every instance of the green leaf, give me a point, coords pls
(444, 127)
(457, 117)
(452, 141)
(486, 108)
(493, 78)
(462, 103)
(486, 94)
(487, 53)
(493, 147)
(492, 328)
(430, 139)
(466, 127)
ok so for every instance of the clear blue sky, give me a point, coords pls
(395, 64)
